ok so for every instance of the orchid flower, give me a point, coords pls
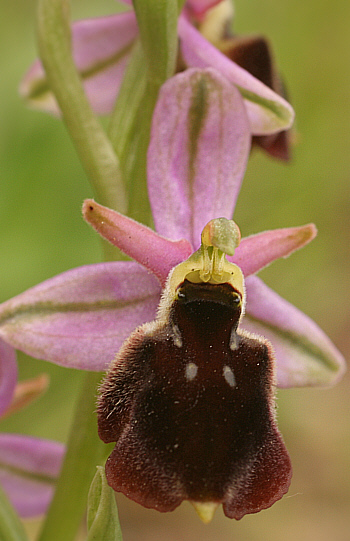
(101, 50)
(29, 466)
(192, 177)
(253, 53)
(199, 147)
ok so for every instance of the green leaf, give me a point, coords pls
(102, 516)
(11, 528)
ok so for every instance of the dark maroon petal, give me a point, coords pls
(190, 405)
(277, 145)
(265, 483)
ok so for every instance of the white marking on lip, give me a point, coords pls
(191, 371)
(177, 336)
(234, 340)
(229, 376)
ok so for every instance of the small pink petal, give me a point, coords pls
(101, 49)
(257, 251)
(200, 141)
(268, 112)
(305, 356)
(158, 254)
(28, 471)
(80, 318)
(8, 375)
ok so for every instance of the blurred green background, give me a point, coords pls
(42, 187)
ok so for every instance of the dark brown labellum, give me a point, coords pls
(189, 402)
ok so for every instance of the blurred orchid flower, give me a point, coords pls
(28, 466)
(252, 53)
(81, 317)
(101, 49)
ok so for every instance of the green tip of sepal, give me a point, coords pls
(102, 514)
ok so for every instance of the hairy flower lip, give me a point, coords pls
(192, 410)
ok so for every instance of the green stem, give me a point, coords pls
(92, 144)
(157, 22)
(139, 208)
(129, 131)
(84, 452)
(129, 99)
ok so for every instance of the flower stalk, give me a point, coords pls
(92, 144)
(84, 451)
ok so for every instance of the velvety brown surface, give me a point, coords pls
(195, 436)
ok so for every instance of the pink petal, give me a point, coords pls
(268, 112)
(8, 375)
(80, 318)
(100, 49)
(156, 253)
(199, 147)
(28, 470)
(257, 251)
(304, 354)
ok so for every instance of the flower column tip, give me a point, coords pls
(223, 234)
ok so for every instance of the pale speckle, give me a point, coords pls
(191, 371)
(177, 336)
(234, 340)
(229, 376)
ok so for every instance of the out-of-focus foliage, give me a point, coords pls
(42, 186)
